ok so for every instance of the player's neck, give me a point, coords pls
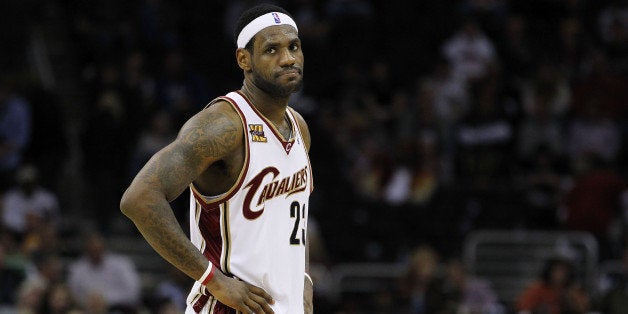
(273, 108)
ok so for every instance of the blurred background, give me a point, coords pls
(469, 156)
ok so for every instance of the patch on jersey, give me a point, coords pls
(257, 133)
(287, 146)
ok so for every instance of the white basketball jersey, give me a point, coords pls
(256, 231)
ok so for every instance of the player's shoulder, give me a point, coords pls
(220, 108)
(218, 123)
(217, 115)
(305, 131)
(298, 117)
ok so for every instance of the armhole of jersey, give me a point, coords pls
(215, 100)
(209, 201)
(307, 153)
(295, 122)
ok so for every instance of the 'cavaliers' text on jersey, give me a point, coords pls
(256, 231)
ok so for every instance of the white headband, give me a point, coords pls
(261, 22)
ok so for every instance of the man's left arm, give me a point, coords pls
(308, 285)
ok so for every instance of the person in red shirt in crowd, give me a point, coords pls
(555, 292)
(593, 204)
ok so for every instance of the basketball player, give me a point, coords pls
(244, 158)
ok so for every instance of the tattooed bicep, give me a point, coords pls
(213, 133)
(209, 136)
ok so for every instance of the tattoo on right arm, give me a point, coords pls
(206, 138)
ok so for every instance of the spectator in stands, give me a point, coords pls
(320, 266)
(371, 168)
(42, 236)
(468, 294)
(614, 12)
(484, 137)
(545, 100)
(15, 128)
(10, 279)
(167, 307)
(542, 183)
(603, 88)
(419, 278)
(29, 299)
(140, 83)
(97, 304)
(593, 133)
(515, 49)
(48, 272)
(614, 301)
(555, 292)
(28, 205)
(172, 291)
(450, 97)
(540, 129)
(571, 43)
(416, 175)
(398, 188)
(613, 30)
(58, 300)
(592, 204)
(110, 129)
(470, 52)
(416, 171)
(180, 90)
(156, 136)
(101, 277)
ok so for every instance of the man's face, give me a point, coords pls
(559, 274)
(95, 247)
(277, 61)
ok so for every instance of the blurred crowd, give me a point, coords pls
(429, 120)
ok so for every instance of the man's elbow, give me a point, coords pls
(128, 203)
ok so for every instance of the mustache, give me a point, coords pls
(289, 69)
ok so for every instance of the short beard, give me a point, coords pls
(273, 89)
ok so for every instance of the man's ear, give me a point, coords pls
(243, 57)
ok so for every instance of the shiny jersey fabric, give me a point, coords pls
(256, 231)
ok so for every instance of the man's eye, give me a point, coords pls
(270, 50)
(294, 47)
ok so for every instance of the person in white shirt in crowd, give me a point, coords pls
(26, 201)
(103, 275)
(15, 130)
(470, 52)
